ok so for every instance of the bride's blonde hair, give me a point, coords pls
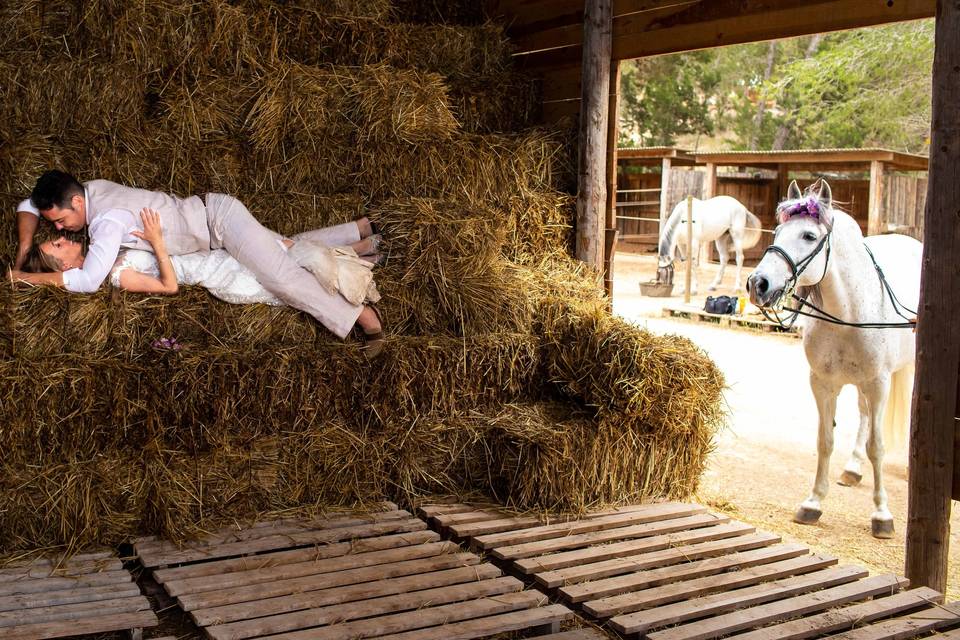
(38, 261)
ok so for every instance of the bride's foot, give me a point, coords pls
(367, 228)
(368, 246)
(371, 324)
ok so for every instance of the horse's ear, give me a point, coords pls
(825, 195)
(793, 191)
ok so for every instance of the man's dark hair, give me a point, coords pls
(55, 189)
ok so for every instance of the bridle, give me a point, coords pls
(797, 268)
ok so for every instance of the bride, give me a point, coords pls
(346, 270)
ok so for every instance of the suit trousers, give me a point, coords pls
(233, 228)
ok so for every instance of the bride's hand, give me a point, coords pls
(152, 232)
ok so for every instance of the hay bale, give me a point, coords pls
(662, 386)
(76, 98)
(495, 103)
(556, 457)
(335, 105)
(502, 373)
(76, 503)
(463, 12)
(445, 274)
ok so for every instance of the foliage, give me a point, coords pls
(666, 96)
(861, 88)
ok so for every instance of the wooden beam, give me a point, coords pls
(783, 182)
(725, 22)
(592, 191)
(524, 17)
(571, 33)
(933, 428)
(556, 111)
(710, 182)
(875, 205)
(613, 135)
(821, 156)
(561, 84)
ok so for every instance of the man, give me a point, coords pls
(190, 225)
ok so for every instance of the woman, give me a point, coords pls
(345, 270)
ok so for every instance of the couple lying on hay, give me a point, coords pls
(212, 241)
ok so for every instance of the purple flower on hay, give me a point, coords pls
(166, 344)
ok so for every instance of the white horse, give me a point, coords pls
(721, 219)
(821, 252)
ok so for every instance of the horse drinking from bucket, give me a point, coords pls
(858, 295)
(722, 220)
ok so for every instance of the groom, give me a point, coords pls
(190, 225)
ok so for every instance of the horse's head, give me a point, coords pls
(800, 250)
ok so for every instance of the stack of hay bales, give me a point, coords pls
(503, 373)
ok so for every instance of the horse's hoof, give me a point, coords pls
(850, 478)
(806, 515)
(882, 529)
(712, 288)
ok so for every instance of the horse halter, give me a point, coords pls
(797, 268)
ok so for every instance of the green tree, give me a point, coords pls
(866, 87)
(666, 96)
(869, 87)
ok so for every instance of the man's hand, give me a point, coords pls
(152, 231)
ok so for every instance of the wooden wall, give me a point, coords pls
(904, 201)
(759, 195)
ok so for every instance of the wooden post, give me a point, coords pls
(933, 428)
(613, 134)
(876, 198)
(594, 97)
(710, 183)
(783, 183)
(687, 276)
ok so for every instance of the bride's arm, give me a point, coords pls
(134, 280)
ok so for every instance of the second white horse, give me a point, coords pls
(723, 220)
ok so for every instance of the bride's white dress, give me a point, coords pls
(217, 271)
(338, 269)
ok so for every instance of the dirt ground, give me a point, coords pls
(765, 460)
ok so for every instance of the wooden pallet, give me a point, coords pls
(673, 571)
(56, 598)
(688, 312)
(376, 575)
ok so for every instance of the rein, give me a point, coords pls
(820, 314)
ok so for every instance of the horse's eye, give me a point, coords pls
(809, 237)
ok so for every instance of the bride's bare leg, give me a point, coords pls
(369, 321)
(363, 224)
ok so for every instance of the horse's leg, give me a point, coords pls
(825, 394)
(722, 254)
(852, 472)
(876, 392)
(694, 265)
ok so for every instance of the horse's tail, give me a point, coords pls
(896, 415)
(751, 231)
(669, 233)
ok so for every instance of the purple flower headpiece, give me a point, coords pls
(808, 207)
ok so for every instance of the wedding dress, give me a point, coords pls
(337, 269)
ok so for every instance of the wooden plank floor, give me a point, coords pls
(55, 598)
(674, 571)
(378, 575)
(755, 323)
